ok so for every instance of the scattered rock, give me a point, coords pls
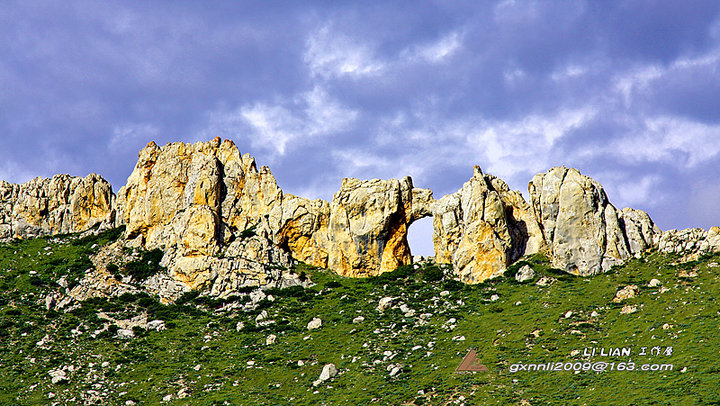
(494, 298)
(314, 324)
(627, 309)
(125, 333)
(545, 281)
(525, 273)
(329, 371)
(358, 319)
(58, 375)
(270, 339)
(628, 292)
(654, 283)
(157, 325)
(239, 326)
(385, 303)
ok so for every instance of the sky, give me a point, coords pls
(628, 92)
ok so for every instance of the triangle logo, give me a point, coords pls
(470, 364)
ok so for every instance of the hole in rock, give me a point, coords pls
(420, 237)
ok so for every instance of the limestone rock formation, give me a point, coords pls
(639, 229)
(689, 243)
(61, 204)
(580, 226)
(368, 225)
(221, 222)
(483, 227)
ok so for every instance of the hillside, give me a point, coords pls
(206, 350)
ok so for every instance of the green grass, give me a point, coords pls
(503, 332)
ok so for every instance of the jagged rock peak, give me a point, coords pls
(483, 227)
(60, 204)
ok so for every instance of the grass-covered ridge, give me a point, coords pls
(203, 359)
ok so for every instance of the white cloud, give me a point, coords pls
(674, 140)
(274, 126)
(435, 51)
(329, 53)
(129, 136)
(627, 191)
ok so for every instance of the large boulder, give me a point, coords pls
(483, 227)
(580, 226)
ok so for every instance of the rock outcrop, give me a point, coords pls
(483, 227)
(369, 222)
(224, 225)
(581, 227)
(690, 243)
(640, 231)
(61, 204)
(218, 218)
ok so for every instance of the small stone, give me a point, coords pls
(628, 292)
(58, 375)
(157, 325)
(270, 339)
(654, 283)
(385, 303)
(328, 371)
(262, 316)
(396, 370)
(358, 319)
(167, 398)
(568, 314)
(594, 314)
(239, 326)
(627, 309)
(125, 333)
(445, 293)
(494, 298)
(524, 274)
(314, 324)
(197, 367)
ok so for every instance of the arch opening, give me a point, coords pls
(420, 238)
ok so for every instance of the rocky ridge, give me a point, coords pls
(224, 225)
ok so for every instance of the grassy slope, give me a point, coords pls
(155, 364)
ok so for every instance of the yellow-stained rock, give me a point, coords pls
(483, 227)
(61, 204)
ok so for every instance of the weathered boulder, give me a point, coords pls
(368, 225)
(579, 225)
(483, 227)
(61, 204)
(639, 228)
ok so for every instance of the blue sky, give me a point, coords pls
(626, 91)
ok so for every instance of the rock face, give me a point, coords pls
(578, 223)
(61, 204)
(369, 222)
(219, 219)
(483, 228)
(224, 225)
(690, 243)
(639, 229)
